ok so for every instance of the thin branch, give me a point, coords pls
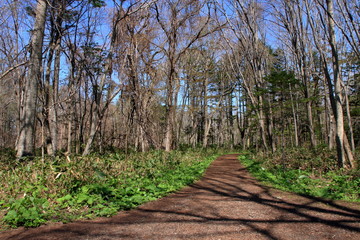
(12, 69)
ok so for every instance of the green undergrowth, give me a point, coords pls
(68, 188)
(305, 173)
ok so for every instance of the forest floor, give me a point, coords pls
(227, 203)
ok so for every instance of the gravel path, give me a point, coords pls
(227, 203)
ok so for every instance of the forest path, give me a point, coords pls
(227, 203)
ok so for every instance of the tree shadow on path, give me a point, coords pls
(227, 203)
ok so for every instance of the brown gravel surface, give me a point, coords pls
(227, 203)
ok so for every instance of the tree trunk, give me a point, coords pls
(230, 121)
(95, 119)
(271, 131)
(206, 120)
(262, 124)
(48, 95)
(351, 132)
(55, 97)
(170, 108)
(26, 143)
(294, 113)
(343, 149)
(311, 123)
(69, 135)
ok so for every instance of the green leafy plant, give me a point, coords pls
(28, 211)
(73, 187)
(319, 182)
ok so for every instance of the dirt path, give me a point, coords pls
(227, 203)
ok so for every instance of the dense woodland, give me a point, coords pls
(79, 76)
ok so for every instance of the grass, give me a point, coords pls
(68, 188)
(308, 172)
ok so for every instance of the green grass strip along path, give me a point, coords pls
(70, 188)
(335, 185)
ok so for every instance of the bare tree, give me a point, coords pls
(251, 55)
(12, 67)
(26, 140)
(332, 73)
(104, 84)
(178, 39)
(291, 19)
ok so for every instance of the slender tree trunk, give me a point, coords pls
(47, 103)
(351, 132)
(55, 95)
(170, 108)
(71, 110)
(48, 94)
(94, 126)
(311, 123)
(294, 113)
(271, 130)
(182, 113)
(26, 143)
(175, 141)
(206, 121)
(230, 122)
(331, 127)
(262, 124)
(305, 79)
(69, 134)
(61, 144)
(304, 69)
(169, 129)
(343, 149)
(143, 141)
(221, 130)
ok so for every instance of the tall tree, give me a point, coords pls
(249, 57)
(291, 18)
(26, 139)
(180, 34)
(332, 73)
